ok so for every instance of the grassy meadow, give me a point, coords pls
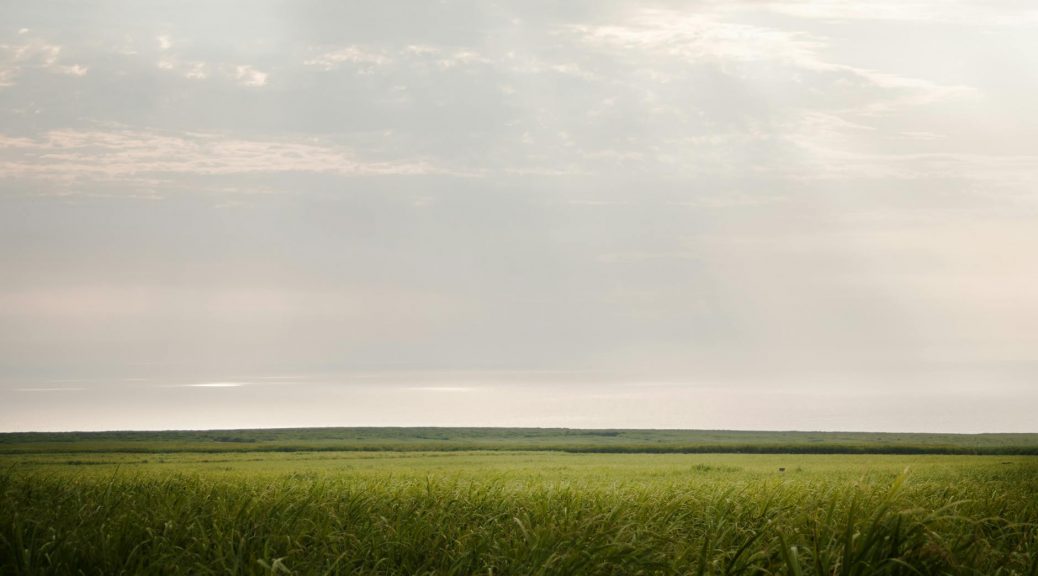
(515, 512)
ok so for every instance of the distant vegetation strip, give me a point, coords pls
(518, 439)
(719, 449)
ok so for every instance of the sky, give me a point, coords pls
(748, 214)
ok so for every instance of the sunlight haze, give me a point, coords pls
(711, 215)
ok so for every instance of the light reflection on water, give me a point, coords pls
(413, 400)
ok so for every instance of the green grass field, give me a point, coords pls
(511, 512)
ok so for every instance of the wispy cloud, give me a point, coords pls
(598, 202)
(708, 37)
(363, 58)
(367, 59)
(136, 155)
(197, 71)
(945, 11)
(249, 76)
(33, 53)
(439, 388)
(172, 60)
(190, 69)
(451, 58)
(699, 36)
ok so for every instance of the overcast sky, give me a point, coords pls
(734, 214)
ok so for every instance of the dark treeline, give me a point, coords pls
(718, 449)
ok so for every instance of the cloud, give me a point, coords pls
(33, 53)
(363, 58)
(914, 91)
(197, 71)
(135, 155)
(440, 389)
(367, 59)
(60, 389)
(708, 92)
(249, 76)
(706, 37)
(824, 153)
(190, 69)
(934, 11)
(597, 202)
(73, 70)
(171, 61)
(525, 63)
(700, 36)
(447, 59)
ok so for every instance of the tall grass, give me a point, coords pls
(983, 521)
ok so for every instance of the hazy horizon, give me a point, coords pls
(756, 215)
